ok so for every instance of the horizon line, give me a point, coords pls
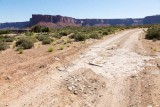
(80, 18)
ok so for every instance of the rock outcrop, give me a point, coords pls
(52, 19)
(62, 21)
(152, 20)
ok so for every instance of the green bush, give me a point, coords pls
(46, 29)
(6, 39)
(105, 33)
(29, 33)
(95, 36)
(69, 41)
(3, 45)
(2, 38)
(72, 36)
(9, 39)
(61, 47)
(46, 40)
(80, 37)
(25, 43)
(153, 33)
(39, 29)
(40, 37)
(50, 49)
(30, 38)
(58, 36)
(63, 33)
(5, 32)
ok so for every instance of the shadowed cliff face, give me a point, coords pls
(152, 20)
(61, 21)
(14, 25)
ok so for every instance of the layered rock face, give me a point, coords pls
(94, 22)
(61, 21)
(49, 18)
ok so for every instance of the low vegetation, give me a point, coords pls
(29, 33)
(46, 35)
(80, 37)
(25, 43)
(50, 49)
(40, 29)
(5, 32)
(61, 47)
(153, 33)
(44, 38)
(65, 36)
(11, 39)
(3, 46)
(95, 35)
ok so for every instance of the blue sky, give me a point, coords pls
(22, 10)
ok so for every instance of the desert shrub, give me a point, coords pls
(153, 33)
(50, 49)
(25, 43)
(58, 36)
(39, 29)
(2, 38)
(110, 30)
(3, 45)
(46, 29)
(29, 33)
(105, 33)
(9, 39)
(40, 37)
(72, 36)
(69, 41)
(6, 39)
(64, 33)
(61, 47)
(100, 31)
(80, 37)
(46, 40)
(31, 38)
(95, 36)
(5, 32)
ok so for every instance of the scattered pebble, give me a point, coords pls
(8, 77)
(56, 59)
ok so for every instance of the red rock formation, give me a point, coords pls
(54, 25)
(52, 19)
(61, 21)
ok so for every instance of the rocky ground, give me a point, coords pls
(122, 70)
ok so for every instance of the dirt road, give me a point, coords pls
(112, 73)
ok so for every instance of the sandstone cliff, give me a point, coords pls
(62, 21)
(52, 19)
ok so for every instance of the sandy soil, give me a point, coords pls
(121, 70)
